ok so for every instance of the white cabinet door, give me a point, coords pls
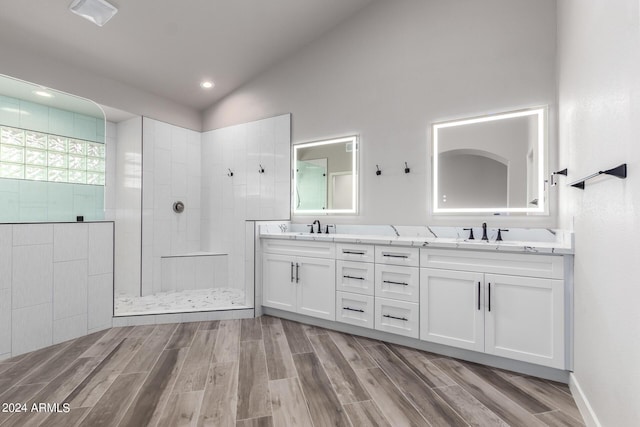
(525, 319)
(278, 281)
(316, 287)
(452, 308)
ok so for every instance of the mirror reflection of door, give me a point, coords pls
(341, 190)
(311, 191)
(473, 178)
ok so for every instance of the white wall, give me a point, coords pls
(171, 172)
(392, 70)
(56, 283)
(599, 111)
(128, 204)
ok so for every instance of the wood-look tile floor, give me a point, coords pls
(267, 372)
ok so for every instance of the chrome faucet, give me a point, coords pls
(484, 231)
(319, 226)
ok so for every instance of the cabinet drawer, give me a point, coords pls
(397, 256)
(355, 277)
(299, 248)
(355, 252)
(354, 309)
(402, 283)
(545, 266)
(397, 317)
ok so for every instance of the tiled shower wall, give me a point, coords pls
(56, 283)
(170, 173)
(228, 202)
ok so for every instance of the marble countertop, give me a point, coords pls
(561, 245)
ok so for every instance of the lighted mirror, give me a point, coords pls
(491, 164)
(52, 155)
(325, 179)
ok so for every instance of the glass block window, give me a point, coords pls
(37, 156)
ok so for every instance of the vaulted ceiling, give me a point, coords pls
(167, 47)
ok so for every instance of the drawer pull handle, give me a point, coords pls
(489, 296)
(353, 277)
(291, 272)
(353, 252)
(395, 283)
(478, 295)
(297, 272)
(353, 309)
(396, 256)
(394, 317)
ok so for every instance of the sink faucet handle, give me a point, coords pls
(499, 238)
(327, 227)
(484, 231)
(311, 230)
(470, 230)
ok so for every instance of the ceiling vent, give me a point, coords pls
(97, 11)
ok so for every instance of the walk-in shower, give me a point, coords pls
(198, 197)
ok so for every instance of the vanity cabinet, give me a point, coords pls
(510, 315)
(506, 304)
(301, 284)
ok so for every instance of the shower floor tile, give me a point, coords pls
(180, 301)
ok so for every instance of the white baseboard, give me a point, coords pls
(588, 415)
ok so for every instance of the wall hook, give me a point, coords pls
(261, 170)
(407, 169)
(378, 171)
(230, 173)
(553, 176)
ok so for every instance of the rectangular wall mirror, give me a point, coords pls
(491, 164)
(325, 178)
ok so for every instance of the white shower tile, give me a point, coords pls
(6, 250)
(31, 328)
(69, 289)
(179, 152)
(157, 274)
(70, 242)
(162, 134)
(99, 301)
(32, 275)
(162, 202)
(282, 205)
(32, 234)
(178, 181)
(100, 248)
(5, 321)
(179, 222)
(161, 237)
(147, 193)
(69, 328)
(205, 274)
(194, 191)
(162, 167)
(193, 225)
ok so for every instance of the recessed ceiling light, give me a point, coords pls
(43, 93)
(206, 84)
(97, 11)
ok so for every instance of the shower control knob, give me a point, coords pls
(178, 207)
